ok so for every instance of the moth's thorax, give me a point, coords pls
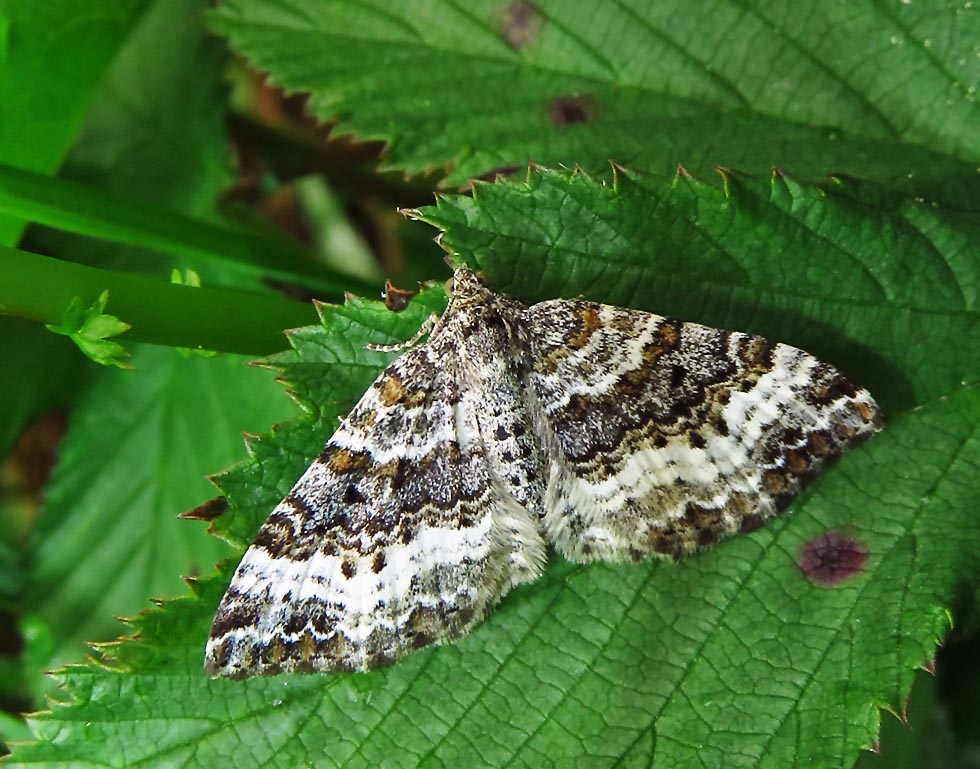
(465, 287)
(487, 334)
(478, 323)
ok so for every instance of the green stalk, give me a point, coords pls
(73, 207)
(40, 288)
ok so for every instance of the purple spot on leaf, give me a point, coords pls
(831, 558)
(520, 24)
(570, 110)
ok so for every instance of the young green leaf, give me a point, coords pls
(90, 327)
(489, 86)
(186, 278)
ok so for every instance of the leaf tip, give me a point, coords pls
(726, 177)
(208, 511)
(397, 299)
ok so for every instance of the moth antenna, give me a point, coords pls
(424, 329)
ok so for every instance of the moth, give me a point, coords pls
(607, 433)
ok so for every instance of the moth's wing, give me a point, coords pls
(665, 436)
(394, 538)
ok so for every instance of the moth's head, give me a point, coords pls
(466, 287)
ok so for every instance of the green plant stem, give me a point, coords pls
(73, 207)
(40, 288)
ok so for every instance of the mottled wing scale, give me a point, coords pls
(609, 433)
(666, 436)
(394, 538)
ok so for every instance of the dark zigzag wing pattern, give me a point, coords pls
(665, 436)
(392, 539)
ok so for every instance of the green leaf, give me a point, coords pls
(44, 95)
(136, 453)
(13, 728)
(730, 658)
(186, 278)
(89, 328)
(495, 84)
(812, 266)
(155, 131)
